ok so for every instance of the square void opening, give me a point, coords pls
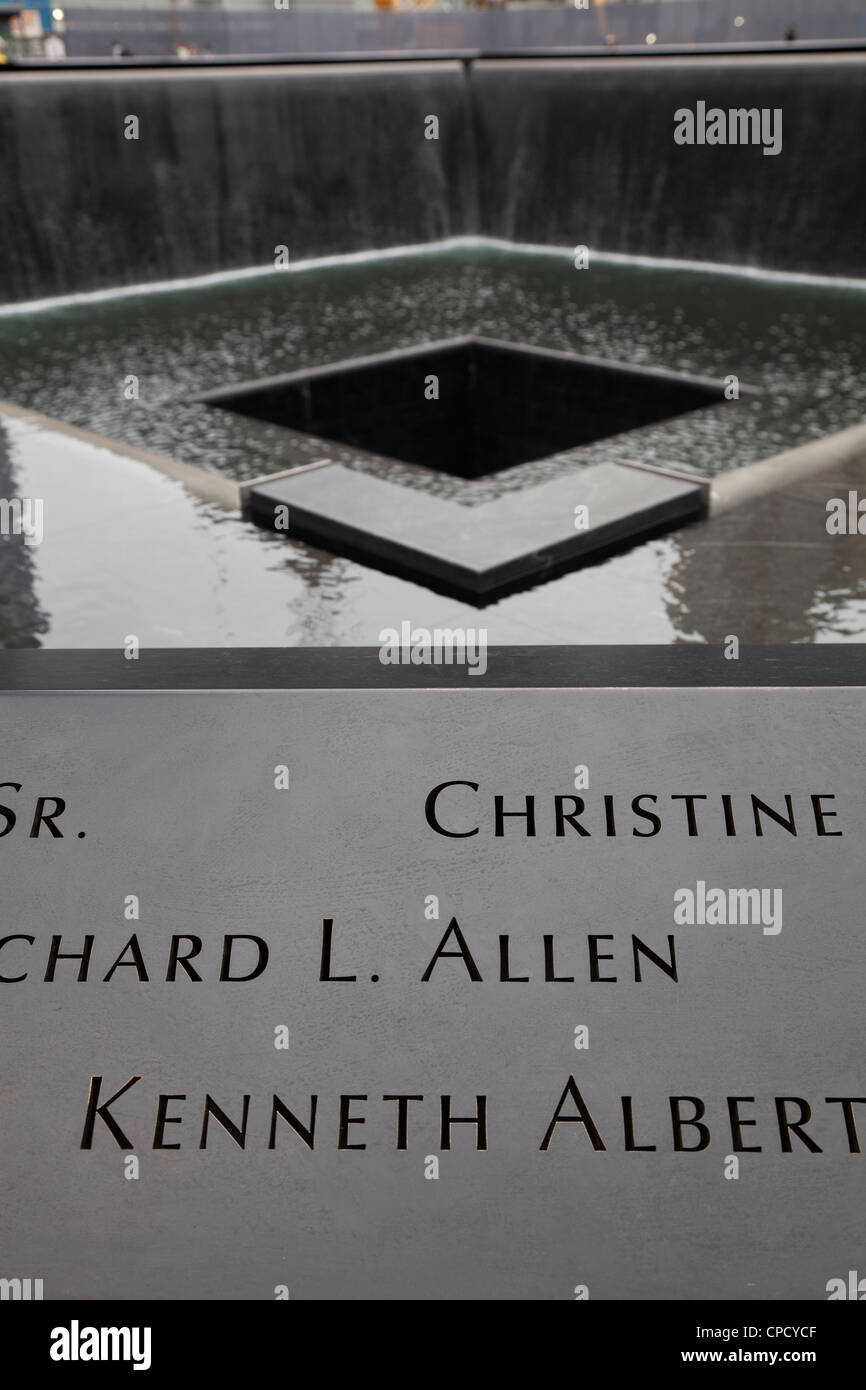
(493, 405)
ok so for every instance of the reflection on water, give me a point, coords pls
(21, 618)
(766, 592)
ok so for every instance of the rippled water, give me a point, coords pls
(183, 573)
(803, 345)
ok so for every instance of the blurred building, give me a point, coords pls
(159, 28)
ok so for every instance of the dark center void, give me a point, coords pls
(469, 406)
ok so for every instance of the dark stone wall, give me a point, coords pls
(572, 154)
(228, 165)
(233, 162)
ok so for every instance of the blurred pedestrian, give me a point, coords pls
(53, 48)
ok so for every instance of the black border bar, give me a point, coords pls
(230, 1340)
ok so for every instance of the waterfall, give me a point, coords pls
(574, 153)
(227, 165)
(230, 164)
